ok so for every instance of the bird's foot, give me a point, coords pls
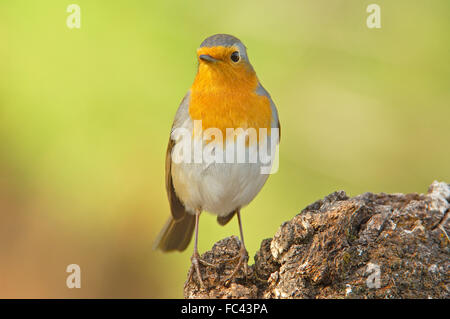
(196, 261)
(243, 259)
(232, 259)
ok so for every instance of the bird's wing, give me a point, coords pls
(260, 90)
(176, 206)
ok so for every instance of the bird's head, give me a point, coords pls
(223, 60)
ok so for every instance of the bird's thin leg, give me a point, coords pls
(242, 253)
(195, 256)
(195, 259)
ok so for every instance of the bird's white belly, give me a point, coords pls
(218, 188)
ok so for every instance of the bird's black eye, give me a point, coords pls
(235, 56)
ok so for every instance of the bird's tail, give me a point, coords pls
(176, 234)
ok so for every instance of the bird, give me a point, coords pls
(226, 94)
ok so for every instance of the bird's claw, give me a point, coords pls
(243, 259)
(196, 261)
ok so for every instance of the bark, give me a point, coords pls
(368, 246)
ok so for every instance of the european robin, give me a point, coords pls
(226, 94)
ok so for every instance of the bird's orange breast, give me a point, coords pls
(226, 98)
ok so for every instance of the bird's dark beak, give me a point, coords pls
(207, 58)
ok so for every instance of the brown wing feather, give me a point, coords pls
(223, 220)
(177, 232)
(279, 131)
(176, 206)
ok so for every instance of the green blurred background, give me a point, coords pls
(85, 116)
